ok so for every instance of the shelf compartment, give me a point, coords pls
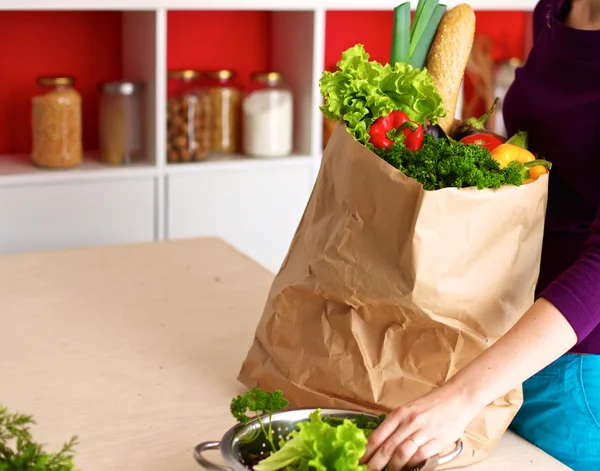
(92, 46)
(256, 209)
(248, 42)
(74, 214)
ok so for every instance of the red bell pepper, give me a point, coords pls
(413, 135)
(378, 132)
(489, 141)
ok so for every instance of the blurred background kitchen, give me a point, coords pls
(158, 124)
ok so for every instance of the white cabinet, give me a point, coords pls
(45, 216)
(255, 208)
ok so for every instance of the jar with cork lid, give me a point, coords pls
(225, 96)
(188, 117)
(56, 123)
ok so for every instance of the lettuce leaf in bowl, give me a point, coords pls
(363, 90)
(319, 446)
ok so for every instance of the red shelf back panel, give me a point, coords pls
(344, 29)
(87, 45)
(210, 40)
(509, 32)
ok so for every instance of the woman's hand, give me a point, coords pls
(419, 430)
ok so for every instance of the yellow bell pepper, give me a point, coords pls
(532, 168)
(536, 172)
(507, 153)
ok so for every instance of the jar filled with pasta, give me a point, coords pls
(225, 98)
(188, 117)
(56, 124)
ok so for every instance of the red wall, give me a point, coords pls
(88, 45)
(508, 30)
(374, 30)
(237, 40)
(344, 29)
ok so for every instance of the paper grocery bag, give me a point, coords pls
(388, 290)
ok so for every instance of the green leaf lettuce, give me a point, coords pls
(363, 90)
(319, 446)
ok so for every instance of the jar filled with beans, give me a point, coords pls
(225, 97)
(56, 124)
(188, 117)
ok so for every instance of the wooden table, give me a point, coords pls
(136, 349)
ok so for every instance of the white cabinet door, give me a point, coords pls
(71, 214)
(256, 210)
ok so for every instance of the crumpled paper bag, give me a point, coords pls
(388, 290)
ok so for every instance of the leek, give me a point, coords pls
(418, 57)
(411, 42)
(401, 34)
(425, 10)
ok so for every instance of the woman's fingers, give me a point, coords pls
(399, 448)
(380, 435)
(403, 455)
(416, 431)
(428, 450)
(388, 449)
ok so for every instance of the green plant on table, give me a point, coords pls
(19, 452)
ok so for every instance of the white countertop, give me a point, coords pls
(136, 350)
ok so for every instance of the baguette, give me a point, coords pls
(448, 56)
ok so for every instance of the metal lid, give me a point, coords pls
(184, 74)
(55, 80)
(222, 74)
(270, 77)
(121, 87)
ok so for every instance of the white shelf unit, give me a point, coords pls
(274, 5)
(253, 204)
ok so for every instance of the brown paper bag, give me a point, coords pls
(388, 290)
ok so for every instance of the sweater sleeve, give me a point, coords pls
(576, 292)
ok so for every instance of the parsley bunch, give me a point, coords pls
(443, 163)
(260, 403)
(19, 452)
(363, 422)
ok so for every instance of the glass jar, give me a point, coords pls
(503, 78)
(121, 122)
(56, 124)
(268, 117)
(225, 102)
(188, 117)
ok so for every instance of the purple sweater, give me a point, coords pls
(556, 98)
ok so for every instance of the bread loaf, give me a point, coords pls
(448, 56)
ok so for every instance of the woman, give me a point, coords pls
(555, 347)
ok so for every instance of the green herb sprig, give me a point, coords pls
(442, 164)
(19, 452)
(260, 403)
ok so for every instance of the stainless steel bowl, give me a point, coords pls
(246, 440)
